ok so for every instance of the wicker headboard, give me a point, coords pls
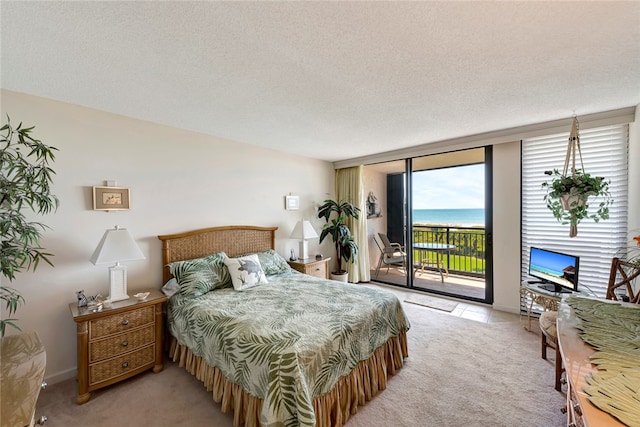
(234, 240)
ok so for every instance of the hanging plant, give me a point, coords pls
(568, 194)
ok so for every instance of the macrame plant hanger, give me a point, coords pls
(572, 146)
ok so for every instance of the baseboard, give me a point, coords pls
(506, 308)
(61, 376)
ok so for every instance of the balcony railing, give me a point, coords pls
(468, 257)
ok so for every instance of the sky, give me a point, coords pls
(460, 187)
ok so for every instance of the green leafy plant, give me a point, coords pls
(568, 197)
(346, 247)
(25, 184)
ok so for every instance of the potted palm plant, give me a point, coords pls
(568, 197)
(336, 227)
(25, 184)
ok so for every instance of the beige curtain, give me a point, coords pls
(350, 188)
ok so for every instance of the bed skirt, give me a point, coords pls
(332, 409)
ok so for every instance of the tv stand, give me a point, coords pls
(552, 287)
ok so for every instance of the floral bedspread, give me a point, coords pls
(289, 341)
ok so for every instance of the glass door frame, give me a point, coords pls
(488, 227)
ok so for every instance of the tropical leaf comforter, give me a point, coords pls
(287, 342)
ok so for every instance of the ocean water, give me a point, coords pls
(459, 217)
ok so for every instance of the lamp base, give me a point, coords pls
(304, 250)
(118, 283)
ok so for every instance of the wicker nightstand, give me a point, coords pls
(118, 342)
(312, 267)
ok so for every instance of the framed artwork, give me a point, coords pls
(292, 203)
(111, 199)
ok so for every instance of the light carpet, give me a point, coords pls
(459, 373)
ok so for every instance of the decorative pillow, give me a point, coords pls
(246, 272)
(200, 275)
(171, 287)
(272, 262)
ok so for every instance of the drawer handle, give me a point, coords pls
(125, 322)
(124, 343)
(125, 364)
(577, 409)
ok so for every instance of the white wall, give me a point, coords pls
(506, 227)
(179, 181)
(377, 183)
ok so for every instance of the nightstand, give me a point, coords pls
(312, 267)
(118, 342)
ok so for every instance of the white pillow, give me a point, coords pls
(246, 272)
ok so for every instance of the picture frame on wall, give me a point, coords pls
(292, 203)
(111, 199)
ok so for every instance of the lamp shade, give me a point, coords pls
(116, 245)
(303, 230)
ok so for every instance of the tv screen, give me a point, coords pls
(556, 271)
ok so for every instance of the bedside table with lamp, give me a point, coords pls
(119, 337)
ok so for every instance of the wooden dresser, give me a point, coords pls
(312, 267)
(575, 356)
(118, 342)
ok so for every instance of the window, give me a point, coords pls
(604, 153)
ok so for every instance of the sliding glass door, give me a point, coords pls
(437, 209)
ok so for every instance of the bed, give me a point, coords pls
(294, 351)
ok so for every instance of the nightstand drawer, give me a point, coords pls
(317, 270)
(122, 365)
(120, 322)
(129, 341)
(312, 267)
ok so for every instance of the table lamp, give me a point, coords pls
(117, 245)
(303, 231)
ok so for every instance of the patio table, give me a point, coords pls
(439, 249)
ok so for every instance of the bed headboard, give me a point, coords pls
(234, 240)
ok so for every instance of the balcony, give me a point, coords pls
(465, 263)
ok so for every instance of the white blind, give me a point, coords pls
(604, 153)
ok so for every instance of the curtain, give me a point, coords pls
(350, 188)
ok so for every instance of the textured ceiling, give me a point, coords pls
(329, 80)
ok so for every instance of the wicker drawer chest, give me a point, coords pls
(118, 342)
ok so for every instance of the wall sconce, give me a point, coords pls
(117, 245)
(292, 203)
(303, 231)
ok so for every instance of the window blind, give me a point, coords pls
(604, 153)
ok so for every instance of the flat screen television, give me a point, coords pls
(555, 271)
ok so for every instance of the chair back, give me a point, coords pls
(623, 274)
(385, 240)
(391, 254)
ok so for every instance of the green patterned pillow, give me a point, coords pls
(245, 272)
(198, 276)
(272, 262)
